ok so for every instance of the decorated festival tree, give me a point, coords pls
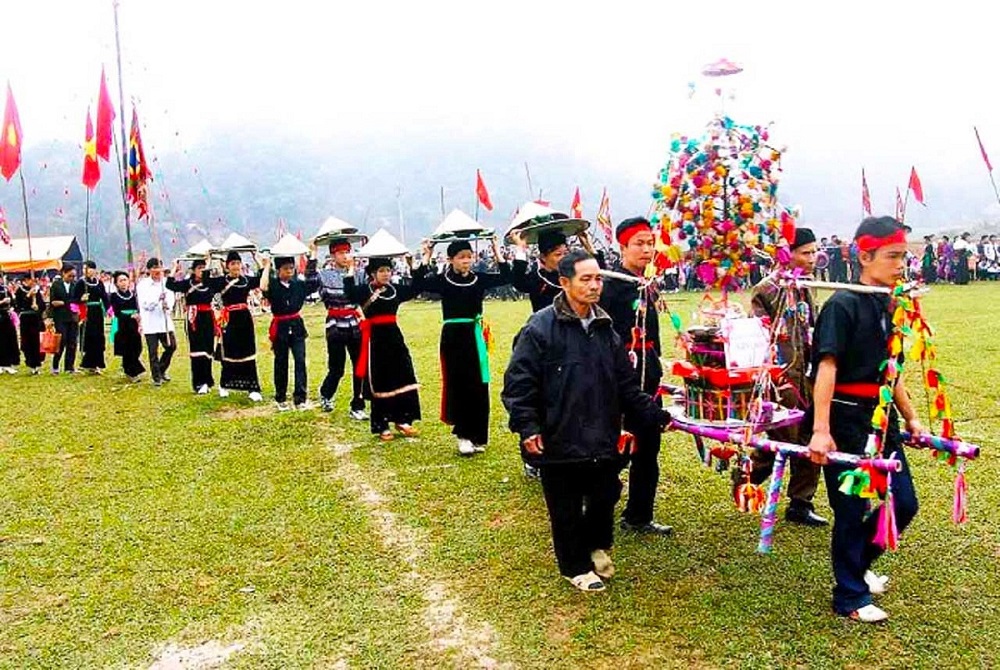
(716, 208)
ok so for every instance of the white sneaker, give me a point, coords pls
(603, 566)
(869, 614)
(877, 584)
(587, 582)
(223, 393)
(284, 406)
(358, 415)
(203, 389)
(479, 448)
(255, 396)
(466, 448)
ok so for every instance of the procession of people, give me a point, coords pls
(582, 388)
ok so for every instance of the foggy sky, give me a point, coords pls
(849, 84)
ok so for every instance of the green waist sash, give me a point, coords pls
(114, 321)
(484, 356)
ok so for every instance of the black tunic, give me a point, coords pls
(465, 395)
(390, 381)
(91, 293)
(126, 341)
(30, 310)
(9, 356)
(541, 285)
(239, 339)
(200, 327)
(620, 299)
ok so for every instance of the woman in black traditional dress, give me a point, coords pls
(200, 324)
(385, 362)
(465, 364)
(90, 294)
(30, 306)
(10, 358)
(239, 339)
(126, 341)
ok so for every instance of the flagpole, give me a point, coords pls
(27, 226)
(442, 201)
(124, 176)
(527, 173)
(86, 226)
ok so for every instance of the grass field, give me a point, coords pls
(135, 522)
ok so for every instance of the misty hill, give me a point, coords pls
(238, 181)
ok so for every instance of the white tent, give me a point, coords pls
(47, 253)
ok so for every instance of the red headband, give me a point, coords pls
(625, 235)
(340, 246)
(871, 243)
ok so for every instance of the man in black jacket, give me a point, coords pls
(64, 319)
(567, 385)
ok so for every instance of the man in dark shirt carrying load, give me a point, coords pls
(850, 345)
(566, 388)
(635, 318)
(770, 298)
(343, 330)
(287, 333)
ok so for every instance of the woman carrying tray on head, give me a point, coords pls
(385, 363)
(200, 320)
(465, 396)
(239, 340)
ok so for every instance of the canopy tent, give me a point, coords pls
(47, 253)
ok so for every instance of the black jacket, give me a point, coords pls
(572, 386)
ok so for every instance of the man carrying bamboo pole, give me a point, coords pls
(850, 347)
(791, 314)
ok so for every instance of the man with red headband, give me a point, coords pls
(850, 345)
(770, 299)
(633, 312)
(343, 330)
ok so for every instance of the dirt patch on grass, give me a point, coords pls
(254, 412)
(450, 630)
(209, 654)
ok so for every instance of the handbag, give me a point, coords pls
(51, 341)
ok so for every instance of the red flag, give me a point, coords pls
(10, 138)
(105, 119)
(482, 193)
(916, 187)
(576, 207)
(91, 168)
(604, 215)
(866, 198)
(138, 170)
(982, 150)
(900, 211)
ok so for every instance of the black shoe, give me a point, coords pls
(531, 472)
(806, 517)
(650, 528)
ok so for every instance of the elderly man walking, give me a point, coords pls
(566, 388)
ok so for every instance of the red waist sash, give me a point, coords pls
(366, 330)
(272, 332)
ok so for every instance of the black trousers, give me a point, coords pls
(337, 350)
(297, 346)
(70, 331)
(643, 474)
(158, 365)
(581, 500)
